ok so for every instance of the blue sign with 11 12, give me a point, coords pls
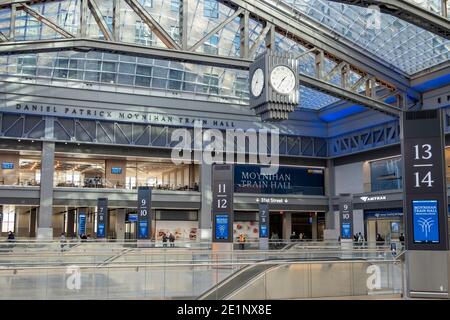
(425, 221)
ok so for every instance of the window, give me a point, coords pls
(211, 8)
(237, 44)
(9, 217)
(175, 79)
(211, 45)
(27, 65)
(175, 5)
(143, 35)
(211, 83)
(175, 33)
(241, 87)
(146, 3)
(108, 21)
(386, 174)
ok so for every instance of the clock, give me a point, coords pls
(282, 79)
(257, 82)
(274, 85)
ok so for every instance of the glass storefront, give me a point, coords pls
(386, 174)
(122, 174)
(18, 170)
(387, 222)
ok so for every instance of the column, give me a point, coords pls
(287, 225)
(330, 192)
(45, 229)
(204, 223)
(70, 223)
(120, 223)
(314, 226)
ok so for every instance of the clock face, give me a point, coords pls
(257, 82)
(282, 79)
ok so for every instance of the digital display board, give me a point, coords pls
(81, 223)
(346, 231)
(222, 225)
(116, 170)
(101, 230)
(7, 165)
(132, 217)
(425, 221)
(143, 229)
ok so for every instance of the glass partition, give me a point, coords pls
(17, 170)
(386, 174)
(161, 175)
(86, 173)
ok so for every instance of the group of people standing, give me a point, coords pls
(295, 236)
(170, 238)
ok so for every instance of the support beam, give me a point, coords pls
(153, 24)
(84, 14)
(244, 35)
(270, 38)
(101, 23)
(215, 30)
(3, 38)
(46, 21)
(183, 23)
(408, 11)
(259, 40)
(348, 95)
(116, 20)
(12, 23)
(310, 33)
(85, 45)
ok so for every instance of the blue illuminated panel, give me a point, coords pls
(221, 232)
(426, 221)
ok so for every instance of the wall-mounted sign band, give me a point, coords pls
(263, 220)
(222, 204)
(145, 216)
(346, 216)
(102, 218)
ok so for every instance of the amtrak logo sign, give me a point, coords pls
(374, 198)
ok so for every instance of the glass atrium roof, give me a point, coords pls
(397, 42)
(404, 46)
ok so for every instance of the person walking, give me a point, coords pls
(172, 240)
(293, 236)
(11, 236)
(164, 240)
(11, 240)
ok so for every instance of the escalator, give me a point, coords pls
(247, 274)
(235, 281)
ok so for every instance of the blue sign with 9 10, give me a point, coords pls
(426, 221)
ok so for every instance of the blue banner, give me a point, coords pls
(81, 223)
(222, 224)
(346, 231)
(288, 180)
(143, 229)
(426, 221)
(101, 230)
